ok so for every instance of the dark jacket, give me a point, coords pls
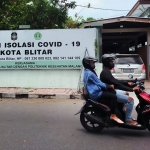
(106, 77)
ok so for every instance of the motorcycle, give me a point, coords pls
(95, 116)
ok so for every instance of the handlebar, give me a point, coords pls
(139, 84)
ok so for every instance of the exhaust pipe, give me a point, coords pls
(94, 119)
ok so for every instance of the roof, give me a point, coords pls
(119, 21)
(139, 8)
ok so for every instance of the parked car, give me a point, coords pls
(126, 64)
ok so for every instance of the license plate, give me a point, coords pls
(128, 70)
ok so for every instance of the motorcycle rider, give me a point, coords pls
(122, 96)
(97, 90)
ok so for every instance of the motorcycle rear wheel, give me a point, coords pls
(87, 124)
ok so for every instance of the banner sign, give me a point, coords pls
(45, 49)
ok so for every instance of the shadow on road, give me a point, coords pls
(118, 133)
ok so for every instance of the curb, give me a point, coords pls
(51, 96)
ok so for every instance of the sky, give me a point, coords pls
(106, 4)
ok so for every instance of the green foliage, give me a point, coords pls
(90, 19)
(77, 22)
(39, 14)
(96, 47)
(74, 23)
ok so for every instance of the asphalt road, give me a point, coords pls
(51, 125)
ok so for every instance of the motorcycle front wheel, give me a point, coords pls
(87, 124)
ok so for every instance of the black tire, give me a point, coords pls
(88, 125)
(148, 122)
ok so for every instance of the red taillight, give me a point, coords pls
(143, 67)
(112, 70)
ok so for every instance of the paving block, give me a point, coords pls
(62, 96)
(33, 96)
(8, 95)
(75, 96)
(47, 96)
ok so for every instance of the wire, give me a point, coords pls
(81, 10)
(102, 8)
(105, 8)
(63, 1)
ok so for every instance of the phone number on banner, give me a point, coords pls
(52, 58)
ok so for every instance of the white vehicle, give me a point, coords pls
(126, 64)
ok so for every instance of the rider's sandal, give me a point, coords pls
(134, 119)
(124, 109)
(132, 122)
(116, 120)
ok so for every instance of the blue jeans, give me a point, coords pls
(123, 98)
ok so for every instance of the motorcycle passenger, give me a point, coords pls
(122, 96)
(97, 90)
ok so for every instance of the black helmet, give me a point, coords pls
(106, 59)
(86, 61)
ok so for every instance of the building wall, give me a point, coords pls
(39, 78)
(44, 78)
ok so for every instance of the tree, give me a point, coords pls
(39, 14)
(77, 22)
(74, 23)
(90, 19)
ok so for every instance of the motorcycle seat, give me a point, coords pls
(101, 105)
(97, 104)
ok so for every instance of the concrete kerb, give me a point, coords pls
(46, 96)
(53, 94)
(49, 93)
(8, 95)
